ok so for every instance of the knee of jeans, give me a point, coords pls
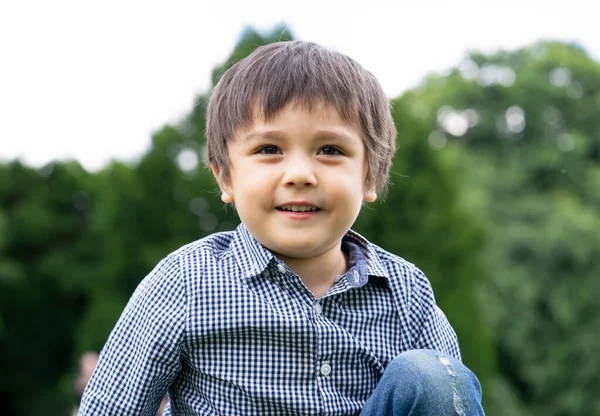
(432, 376)
(429, 369)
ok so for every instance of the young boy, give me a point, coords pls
(292, 313)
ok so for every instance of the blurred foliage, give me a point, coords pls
(523, 130)
(494, 196)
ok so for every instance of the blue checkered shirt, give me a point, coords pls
(226, 328)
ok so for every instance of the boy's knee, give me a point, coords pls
(425, 370)
(431, 376)
(429, 363)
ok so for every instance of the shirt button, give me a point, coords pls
(325, 369)
(318, 308)
(281, 268)
(266, 273)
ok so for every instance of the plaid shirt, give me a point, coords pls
(228, 329)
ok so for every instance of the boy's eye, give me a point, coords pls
(330, 151)
(268, 150)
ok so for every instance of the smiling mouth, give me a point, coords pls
(298, 208)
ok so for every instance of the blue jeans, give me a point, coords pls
(425, 383)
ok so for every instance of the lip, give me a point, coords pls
(299, 215)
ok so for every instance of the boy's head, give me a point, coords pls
(309, 75)
(299, 137)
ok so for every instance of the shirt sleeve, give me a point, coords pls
(429, 322)
(142, 355)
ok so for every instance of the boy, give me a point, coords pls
(291, 313)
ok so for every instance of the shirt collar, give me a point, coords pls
(253, 258)
(370, 259)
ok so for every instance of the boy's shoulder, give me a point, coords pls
(223, 249)
(216, 244)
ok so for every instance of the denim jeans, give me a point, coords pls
(425, 383)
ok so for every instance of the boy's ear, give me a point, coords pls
(226, 192)
(370, 195)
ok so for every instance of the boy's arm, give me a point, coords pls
(142, 355)
(432, 329)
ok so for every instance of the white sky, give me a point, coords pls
(93, 80)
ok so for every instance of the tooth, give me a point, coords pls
(298, 208)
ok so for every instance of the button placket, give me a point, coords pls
(318, 308)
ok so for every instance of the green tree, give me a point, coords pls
(524, 127)
(43, 263)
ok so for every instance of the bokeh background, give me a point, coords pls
(495, 189)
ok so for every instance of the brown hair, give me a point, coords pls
(309, 74)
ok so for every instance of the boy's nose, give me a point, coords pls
(299, 171)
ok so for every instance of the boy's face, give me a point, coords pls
(298, 180)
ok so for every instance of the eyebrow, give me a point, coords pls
(320, 134)
(268, 135)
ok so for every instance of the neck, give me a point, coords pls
(319, 273)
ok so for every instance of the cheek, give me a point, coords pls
(252, 184)
(354, 177)
(348, 188)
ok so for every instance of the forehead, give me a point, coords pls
(297, 115)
